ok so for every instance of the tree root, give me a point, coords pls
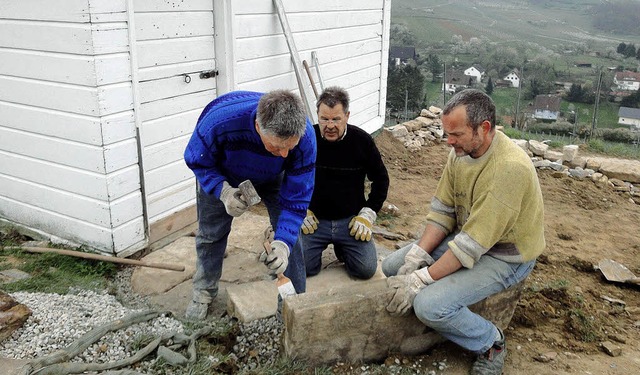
(57, 363)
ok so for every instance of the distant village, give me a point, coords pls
(546, 107)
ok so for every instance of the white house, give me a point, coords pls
(627, 81)
(630, 117)
(514, 78)
(476, 71)
(98, 99)
(546, 107)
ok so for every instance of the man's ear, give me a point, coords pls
(486, 126)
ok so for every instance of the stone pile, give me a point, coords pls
(621, 175)
(424, 130)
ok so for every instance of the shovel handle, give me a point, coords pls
(104, 258)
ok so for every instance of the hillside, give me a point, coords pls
(544, 23)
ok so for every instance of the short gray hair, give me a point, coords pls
(332, 96)
(281, 113)
(479, 107)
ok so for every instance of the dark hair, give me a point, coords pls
(479, 107)
(281, 113)
(332, 96)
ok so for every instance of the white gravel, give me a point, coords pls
(58, 320)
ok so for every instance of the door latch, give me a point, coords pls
(208, 74)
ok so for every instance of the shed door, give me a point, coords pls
(175, 52)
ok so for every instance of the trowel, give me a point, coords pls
(616, 272)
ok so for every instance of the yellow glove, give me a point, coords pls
(361, 225)
(310, 223)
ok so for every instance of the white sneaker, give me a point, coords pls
(196, 311)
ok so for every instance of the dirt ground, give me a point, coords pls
(566, 307)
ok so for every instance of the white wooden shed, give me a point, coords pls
(98, 99)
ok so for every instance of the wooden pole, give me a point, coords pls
(79, 254)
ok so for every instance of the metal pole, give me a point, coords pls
(406, 99)
(444, 84)
(519, 91)
(597, 102)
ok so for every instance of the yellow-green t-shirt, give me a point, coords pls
(495, 203)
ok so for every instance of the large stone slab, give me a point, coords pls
(241, 264)
(625, 170)
(352, 324)
(150, 281)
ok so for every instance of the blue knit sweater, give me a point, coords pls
(225, 146)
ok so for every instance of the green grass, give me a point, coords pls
(621, 150)
(53, 273)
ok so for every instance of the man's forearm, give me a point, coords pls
(448, 262)
(431, 238)
(446, 265)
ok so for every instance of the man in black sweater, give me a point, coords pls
(340, 213)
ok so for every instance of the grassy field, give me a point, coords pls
(549, 25)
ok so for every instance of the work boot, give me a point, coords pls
(491, 362)
(196, 311)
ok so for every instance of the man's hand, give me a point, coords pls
(310, 223)
(278, 258)
(233, 200)
(361, 225)
(406, 288)
(415, 259)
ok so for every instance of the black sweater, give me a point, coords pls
(341, 168)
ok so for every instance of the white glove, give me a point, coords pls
(406, 288)
(233, 201)
(361, 225)
(310, 223)
(415, 259)
(278, 258)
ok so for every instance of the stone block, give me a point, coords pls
(538, 148)
(553, 156)
(569, 152)
(352, 324)
(12, 315)
(252, 301)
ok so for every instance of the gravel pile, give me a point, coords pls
(59, 320)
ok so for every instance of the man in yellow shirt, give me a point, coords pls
(483, 233)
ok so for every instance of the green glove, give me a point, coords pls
(310, 223)
(361, 225)
(415, 259)
(406, 288)
(233, 201)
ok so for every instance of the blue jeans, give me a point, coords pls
(359, 257)
(214, 225)
(442, 306)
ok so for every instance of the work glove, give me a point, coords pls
(310, 223)
(233, 200)
(278, 258)
(406, 288)
(415, 259)
(361, 225)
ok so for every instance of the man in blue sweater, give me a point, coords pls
(264, 138)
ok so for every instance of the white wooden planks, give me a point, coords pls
(76, 11)
(82, 39)
(151, 26)
(83, 100)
